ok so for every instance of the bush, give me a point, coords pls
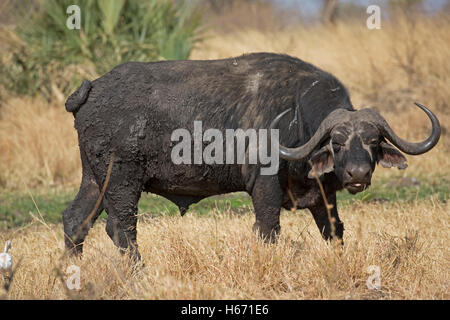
(44, 56)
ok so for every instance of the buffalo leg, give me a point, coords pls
(267, 199)
(323, 222)
(76, 219)
(121, 204)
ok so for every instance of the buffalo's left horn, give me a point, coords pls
(413, 148)
(322, 132)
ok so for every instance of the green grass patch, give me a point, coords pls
(404, 189)
(15, 208)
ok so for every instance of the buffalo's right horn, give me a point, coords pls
(322, 132)
(413, 148)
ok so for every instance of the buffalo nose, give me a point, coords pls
(360, 173)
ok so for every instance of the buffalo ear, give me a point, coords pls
(389, 157)
(322, 162)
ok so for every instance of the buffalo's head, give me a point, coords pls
(353, 142)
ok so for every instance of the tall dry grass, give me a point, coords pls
(38, 145)
(218, 257)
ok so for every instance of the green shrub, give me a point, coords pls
(44, 56)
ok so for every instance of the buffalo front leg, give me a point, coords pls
(267, 198)
(121, 204)
(330, 226)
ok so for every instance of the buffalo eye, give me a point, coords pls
(336, 147)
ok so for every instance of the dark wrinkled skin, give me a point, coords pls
(133, 110)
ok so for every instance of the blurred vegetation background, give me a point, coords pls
(41, 55)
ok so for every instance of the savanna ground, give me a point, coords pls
(401, 224)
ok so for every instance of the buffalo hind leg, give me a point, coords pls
(323, 222)
(76, 218)
(121, 204)
(267, 199)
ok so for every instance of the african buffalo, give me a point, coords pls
(129, 114)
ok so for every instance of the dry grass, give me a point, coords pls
(38, 144)
(218, 257)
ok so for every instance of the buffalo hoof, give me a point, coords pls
(268, 234)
